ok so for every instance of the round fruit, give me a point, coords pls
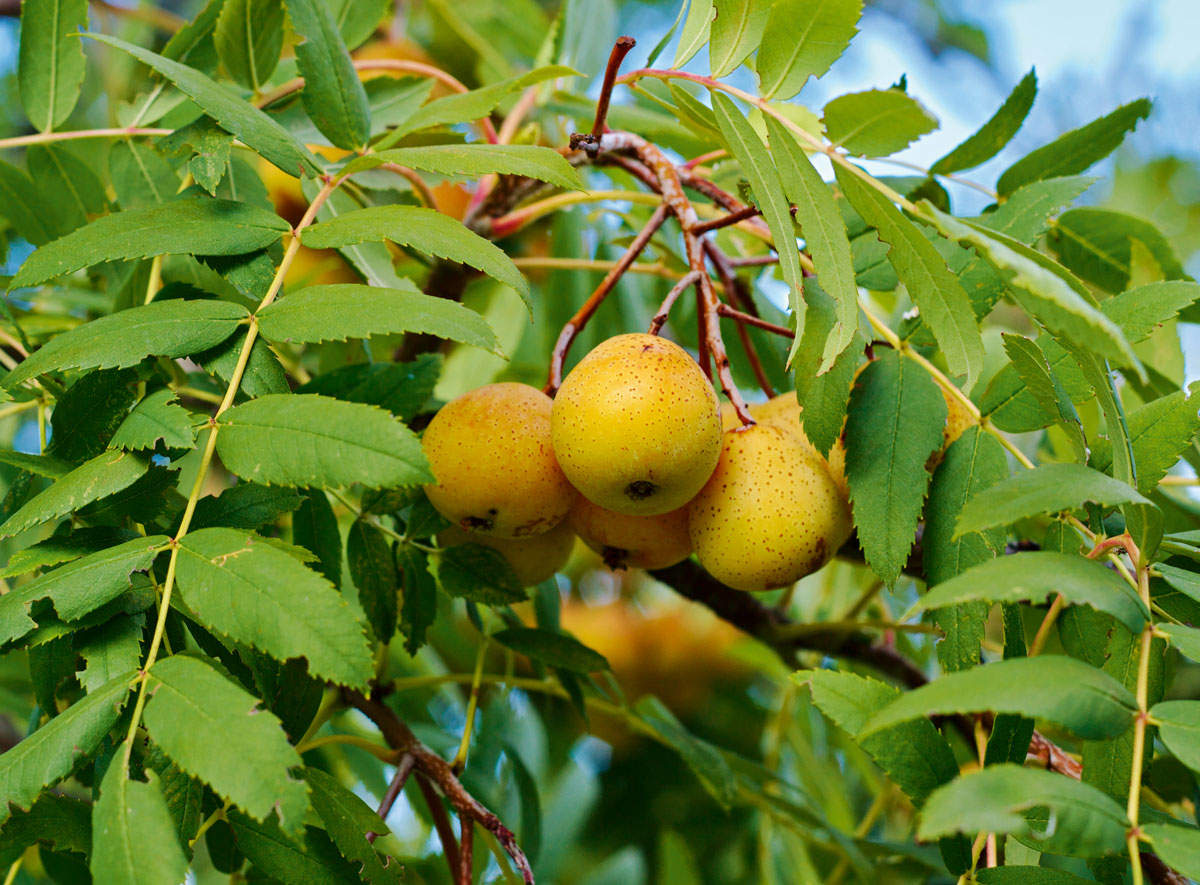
(533, 560)
(784, 411)
(770, 514)
(626, 541)
(496, 473)
(636, 427)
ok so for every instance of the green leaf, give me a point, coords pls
(348, 819)
(156, 418)
(1034, 370)
(357, 19)
(50, 62)
(944, 304)
(310, 858)
(877, 122)
(1159, 432)
(308, 440)
(1184, 639)
(1049, 488)
(258, 131)
(425, 230)
(54, 750)
(1065, 691)
(189, 225)
(824, 234)
(912, 754)
(340, 311)
(479, 574)
(751, 154)
(208, 146)
(1142, 310)
(173, 329)
(802, 39)
(1084, 821)
(1025, 215)
(248, 38)
(529, 161)
(1098, 245)
(58, 821)
(1037, 576)
(1179, 728)
(696, 28)
(1045, 289)
(894, 424)
(247, 760)
(419, 609)
(825, 397)
(241, 586)
(88, 414)
(21, 204)
(333, 94)
(246, 505)
(141, 176)
(736, 31)
(263, 374)
(705, 761)
(64, 548)
(69, 188)
(315, 528)
(113, 648)
(973, 462)
(39, 465)
(551, 648)
(135, 838)
(373, 570)
(1176, 846)
(401, 388)
(995, 133)
(1077, 150)
(1018, 874)
(104, 475)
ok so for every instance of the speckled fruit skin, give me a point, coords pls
(770, 513)
(533, 560)
(784, 411)
(636, 426)
(626, 541)
(491, 454)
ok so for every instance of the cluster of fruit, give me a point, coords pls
(635, 456)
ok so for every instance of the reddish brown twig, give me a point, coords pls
(726, 220)
(758, 322)
(705, 158)
(754, 261)
(678, 289)
(466, 868)
(733, 290)
(441, 823)
(567, 336)
(403, 769)
(619, 51)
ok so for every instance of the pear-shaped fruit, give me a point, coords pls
(636, 427)
(533, 560)
(770, 513)
(784, 411)
(491, 454)
(627, 541)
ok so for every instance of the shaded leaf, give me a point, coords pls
(156, 418)
(348, 819)
(373, 570)
(479, 574)
(551, 648)
(993, 135)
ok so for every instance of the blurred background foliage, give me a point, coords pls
(596, 802)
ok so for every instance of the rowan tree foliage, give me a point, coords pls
(275, 237)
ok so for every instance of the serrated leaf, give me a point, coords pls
(372, 261)
(246, 505)
(993, 135)
(401, 388)
(425, 230)
(88, 414)
(348, 819)
(1098, 246)
(1043, 288)
(243, 587)
(478, 574)
(1142, 310)
(172, 329)
(333, 94)
(877, 122)
(529, 161)
(58, 821)
(103, 475)
(249, 764)
(140, 175)
(248, 38)
(208, 146)
(551, 648)
(54, 750)
(1065, 691)
(751, 154)
(39, 465)
(315, 528)
(1086, 823)
(1159, 433)
(113, 648)
(912, 754)
(893, 425)
(802, 39)
(1077, 150)
(1176, 846)
(155, 418)
(50, 62)
(340, 311)
(1038, 576)
(255, 129)
(263, 373)
(188, 225)
(373, 570)
(20, 202)
(419, 608)
(1034, 370)
(1025, 215)
(944, 304)
(1049, 488)
(825, 397)
(736, 31)
(64, 548)
(308, 440)
(310, 857)
(135, 838)
(824, 235)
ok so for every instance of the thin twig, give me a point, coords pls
(678, 289)
(441, 823)
(403, 769)
(758, 322)
(619, 51)
(726, 220)
(466, 862)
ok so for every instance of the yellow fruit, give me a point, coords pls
(770, 514)
(784, 411)
(636, 427)
(626, 541)
(533, 560)
(490, 452)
